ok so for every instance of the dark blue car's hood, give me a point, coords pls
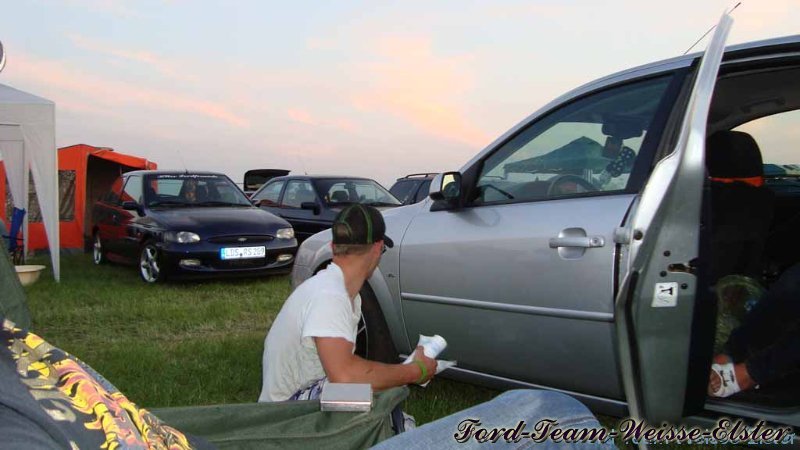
(217, 221)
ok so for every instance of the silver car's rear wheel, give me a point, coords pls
(98, 254)
(149, 265)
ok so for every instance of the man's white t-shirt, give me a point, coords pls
(320, 307)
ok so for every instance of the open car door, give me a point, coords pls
(658, 304)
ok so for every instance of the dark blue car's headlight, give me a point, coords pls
(285, 233)
(181, 237)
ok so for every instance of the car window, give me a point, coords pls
(336, 191)
(423, 191)
(403, 189)
(174, 190)
(116, 190)
(298, 192)
(270, 194)
(132, 192)
(588, 146)
(776, 137)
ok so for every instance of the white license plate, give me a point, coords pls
(242, 252)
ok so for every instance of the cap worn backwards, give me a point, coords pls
(360, 225)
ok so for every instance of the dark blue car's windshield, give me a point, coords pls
(192, 190)
(338, 191)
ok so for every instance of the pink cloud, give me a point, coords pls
(160, 64)
(300, 115)
(760, 20)
(304, 117)
(410, 82)
(62, 81)
(117, 8)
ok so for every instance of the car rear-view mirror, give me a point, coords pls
(133, 206)
(313, 206)
(446, 186)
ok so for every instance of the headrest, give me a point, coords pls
(733, 154)
(340, 196)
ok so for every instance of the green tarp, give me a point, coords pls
(286, 425)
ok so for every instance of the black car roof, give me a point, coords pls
(320, 177)
(172, 172)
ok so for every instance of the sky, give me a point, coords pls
(369, 88)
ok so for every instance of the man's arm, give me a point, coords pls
(342, 366)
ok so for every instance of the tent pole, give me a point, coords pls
(26, 201)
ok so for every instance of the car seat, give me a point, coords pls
(149, 194)
(741, 206)
(213, 193)
(340, 196)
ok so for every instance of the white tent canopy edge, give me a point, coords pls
(27, 141)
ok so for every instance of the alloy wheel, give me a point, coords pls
(148, 264)
(97, 250)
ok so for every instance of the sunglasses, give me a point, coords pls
(383, 249)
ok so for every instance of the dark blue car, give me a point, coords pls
(180, 224)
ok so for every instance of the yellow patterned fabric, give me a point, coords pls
(84, 407)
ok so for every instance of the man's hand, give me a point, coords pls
(430, 363)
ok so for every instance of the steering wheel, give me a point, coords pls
(557, 182)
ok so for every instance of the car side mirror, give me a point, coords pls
(313, 206)
(446, 186)
(133, 206)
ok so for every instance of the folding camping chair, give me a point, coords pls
(15, 243)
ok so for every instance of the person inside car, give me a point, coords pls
(313, 337)
(193, 192)
(766, 347)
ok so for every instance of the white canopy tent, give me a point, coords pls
(28, 142)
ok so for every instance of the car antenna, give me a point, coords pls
(709, 30)
(183, 163)
(302, 163)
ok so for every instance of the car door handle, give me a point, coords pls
(578, 241)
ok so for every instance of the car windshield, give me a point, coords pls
(192, 190)
(403, 190)
(338, 191)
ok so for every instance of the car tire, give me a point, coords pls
(98, 252)
(373, 341)
(150, 268)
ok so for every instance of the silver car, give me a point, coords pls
(566, 254)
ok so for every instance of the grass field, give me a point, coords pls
(181, 344)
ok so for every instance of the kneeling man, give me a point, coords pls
(313, 337)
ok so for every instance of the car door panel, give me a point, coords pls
(542, 353)
(128, 230)
(661, 296)
(509, 296)
(305, 222)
